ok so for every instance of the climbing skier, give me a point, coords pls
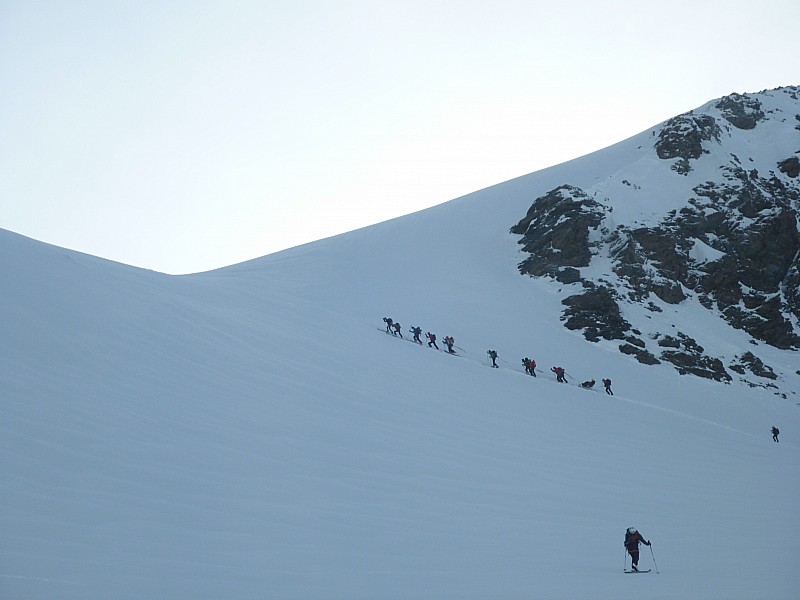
(449, 341)
(416, 331)
(526, 362)
(632, 540)
(388, 322)
(560, 374)
(607, 384)
(431, 340)
(397, 330)
(493, 355)
(775, 433)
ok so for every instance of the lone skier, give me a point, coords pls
(416, 331)
(775, 433)
(431, 340)
(493, 355)
(560, 374)
(607, 384)
(632, 540)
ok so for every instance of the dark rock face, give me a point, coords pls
(750, 362)
(732, 243)
(790, 166)
(701, 366)
(751, 222)
(555, 232)
(643, 356)
(741, 111)
(636, 248)
(756, 229)
(682, 137)
(597, 313)
(689, 358)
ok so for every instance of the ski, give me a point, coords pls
(640, 571)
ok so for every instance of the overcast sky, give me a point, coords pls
(183, 136)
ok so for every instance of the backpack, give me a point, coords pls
(631, 539)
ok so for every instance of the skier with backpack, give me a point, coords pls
(530, 366)
(389, 322)
(607, 384)
(588, 384)
(632, 540)
(396, 331)
(775, 433)
(416, 331)
(493, 355)
(431, 340)
(449, 341)
(560, 374)
(526, 362)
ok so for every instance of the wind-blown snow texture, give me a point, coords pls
(251, 433)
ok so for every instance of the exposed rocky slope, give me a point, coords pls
(724, 185)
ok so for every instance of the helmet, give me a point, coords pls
(631, 530)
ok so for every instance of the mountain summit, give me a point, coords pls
(706, 212)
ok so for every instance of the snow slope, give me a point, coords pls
(252, 433)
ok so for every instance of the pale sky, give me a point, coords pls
(182, 136)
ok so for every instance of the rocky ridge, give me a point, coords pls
(727, 236)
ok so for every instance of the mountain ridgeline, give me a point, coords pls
(722, 184)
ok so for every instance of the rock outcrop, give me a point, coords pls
(728, 237)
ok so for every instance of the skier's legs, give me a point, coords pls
(634, 557)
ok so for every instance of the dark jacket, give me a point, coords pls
(632, 541)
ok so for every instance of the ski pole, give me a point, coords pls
(625, 561)
(654, 557)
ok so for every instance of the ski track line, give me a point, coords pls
(671, 411)
(34, 578)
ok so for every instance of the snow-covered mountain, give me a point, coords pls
(253, 432)
(706, 213)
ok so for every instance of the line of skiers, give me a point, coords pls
(392, 327)
(561, 377)
(530, 364)
(590, 384)
(395, 329)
